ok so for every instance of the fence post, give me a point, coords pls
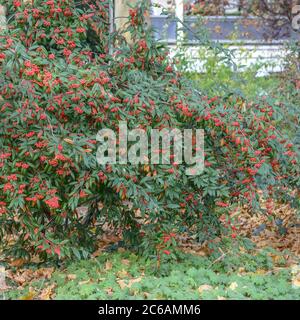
(179, 12)
(2, 18)
(111, 14)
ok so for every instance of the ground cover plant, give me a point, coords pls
(252, 275)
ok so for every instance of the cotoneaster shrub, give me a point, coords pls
(60, 85)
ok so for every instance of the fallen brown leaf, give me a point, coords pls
(47, 293)
(126, 262)
(108, 265)
(122, 274)
(233, 286)
(71, 276)
(18, 262)
(204, 287)
(128, 283)
(29, 296)
(109, 291)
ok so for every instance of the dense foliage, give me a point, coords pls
(61, 82)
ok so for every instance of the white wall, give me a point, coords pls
(269, 57)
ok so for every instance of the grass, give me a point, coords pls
(128, 276)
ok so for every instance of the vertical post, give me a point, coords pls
(179, 12)
(111, 23)
(111, 16)
(2, 18)
(121, 13)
